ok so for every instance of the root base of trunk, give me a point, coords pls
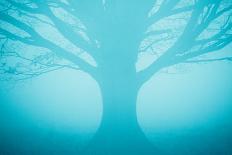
(120, 144)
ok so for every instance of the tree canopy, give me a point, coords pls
(38, 36)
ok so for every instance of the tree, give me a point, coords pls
(106, 38)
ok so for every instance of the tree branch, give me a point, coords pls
(208, 60)
(67, 31)
(37, 40)
(206, 13)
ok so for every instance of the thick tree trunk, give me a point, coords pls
(119, 131)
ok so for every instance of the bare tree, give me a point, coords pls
(106, 39)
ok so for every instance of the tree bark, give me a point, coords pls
(119, 131)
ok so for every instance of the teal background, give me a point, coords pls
(188, 111)
(185, 109)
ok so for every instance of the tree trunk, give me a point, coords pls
(119, 131)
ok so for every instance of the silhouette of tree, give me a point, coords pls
(106, 39)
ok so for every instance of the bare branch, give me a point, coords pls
(67, 31)
(209, 60)
(204, 13)
(37, 40)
